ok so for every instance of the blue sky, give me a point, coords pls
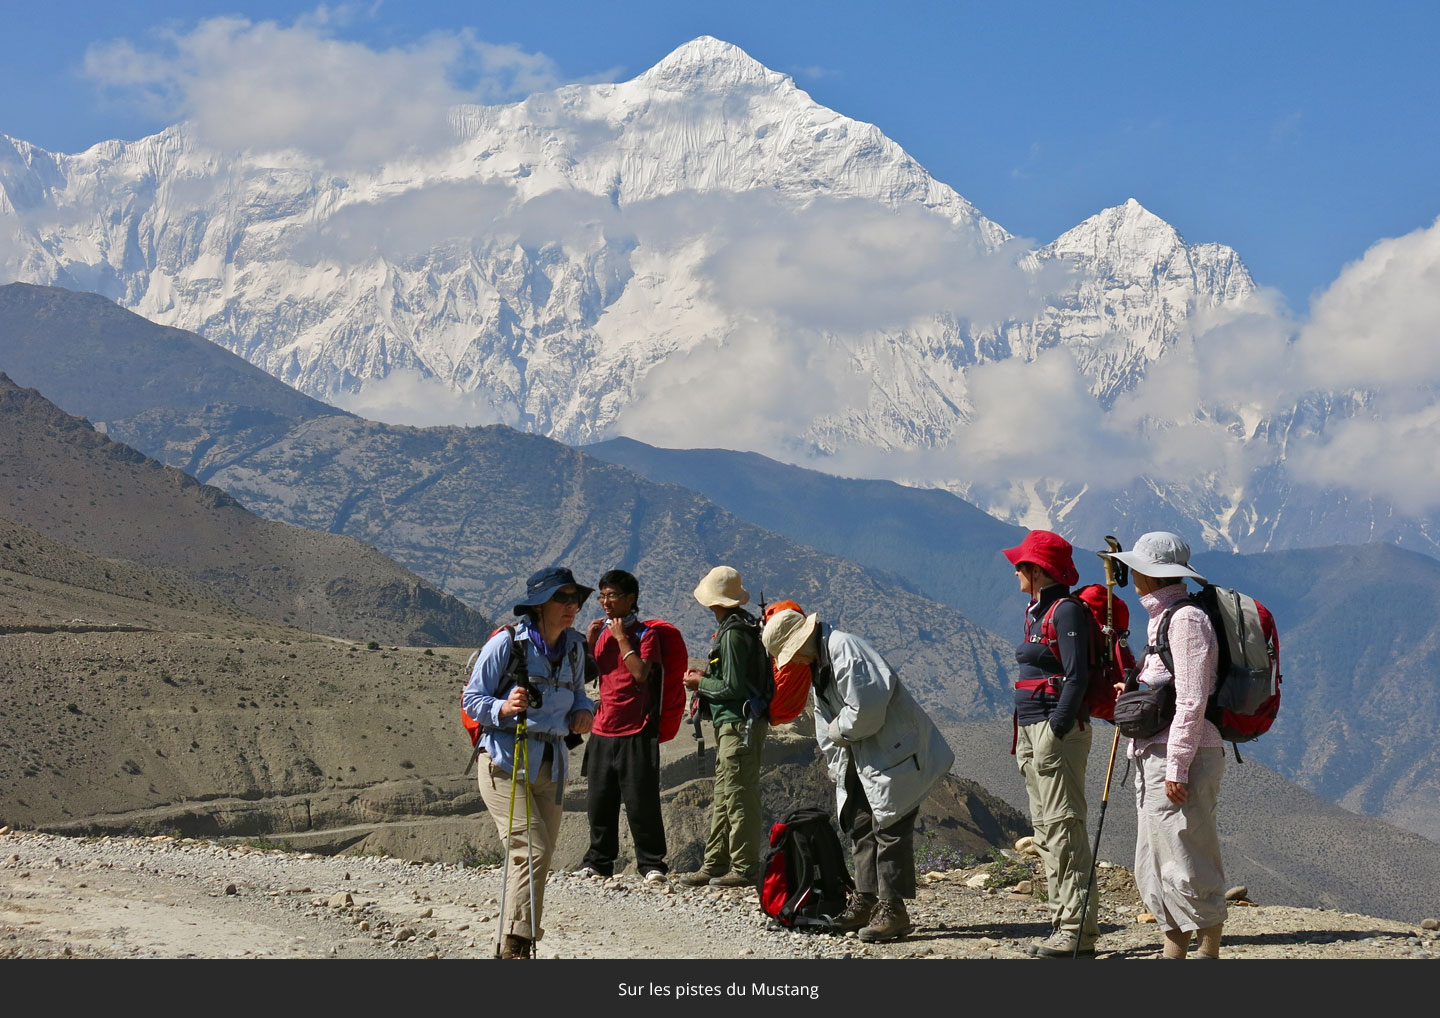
(1298, 133)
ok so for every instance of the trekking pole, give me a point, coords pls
(529, 842)
(699, 734)
(520, 764)
(509, 833)
(1112, 579)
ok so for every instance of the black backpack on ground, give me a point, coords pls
(805, 882)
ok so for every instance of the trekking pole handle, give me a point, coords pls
(1110, 771)
(1112, 575)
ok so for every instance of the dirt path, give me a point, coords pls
(160, 898)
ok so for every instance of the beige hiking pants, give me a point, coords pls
(534, 843)
(1054, 772)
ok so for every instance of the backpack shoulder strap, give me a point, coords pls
(1161, 645)
(1051, 640)
(822, 673)
(518, 665)
(1047, 625)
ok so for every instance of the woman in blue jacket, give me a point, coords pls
(544, 649)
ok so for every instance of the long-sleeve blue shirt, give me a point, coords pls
(562, 692)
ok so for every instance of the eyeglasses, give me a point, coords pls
(569, 597)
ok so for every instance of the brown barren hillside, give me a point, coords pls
(63, 479)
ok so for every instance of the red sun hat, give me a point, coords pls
(1050, 552)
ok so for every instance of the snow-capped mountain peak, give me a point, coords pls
(706, 64)
(1124, 240)
(571, 259)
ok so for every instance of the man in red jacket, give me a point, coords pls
(622, 759)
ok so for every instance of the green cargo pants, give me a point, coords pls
(735, 825)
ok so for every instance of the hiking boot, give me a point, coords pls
(888, 921)
(857, 912)
(655, 877)
(733, 879)
(697, 879)
(1060, 945)
(516, 947)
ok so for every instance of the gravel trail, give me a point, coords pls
(163, 898)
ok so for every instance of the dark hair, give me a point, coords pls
(620, 580)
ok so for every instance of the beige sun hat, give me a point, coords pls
(786, 632)
(721, 587)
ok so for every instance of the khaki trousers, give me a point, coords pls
(527, 845)
(735, 824)
(1054, 772)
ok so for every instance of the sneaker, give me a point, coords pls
(517, 947)
(888, 921)
(857, 912)
(655, 877)
(733, 879)
(588, 872)
(1060, 945)
(697, 879)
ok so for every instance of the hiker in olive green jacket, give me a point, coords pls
(736, 693)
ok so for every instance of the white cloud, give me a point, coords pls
(1390, 457)
(1378, 324)
(1201, 411)
(853, 266)
(267, 86)
(758, 389)
(1377, 329)
(803, 286)
(409, 224)
(409, 397)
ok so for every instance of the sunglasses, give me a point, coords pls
(573, 597)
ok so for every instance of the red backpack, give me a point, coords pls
(792, 680)
(674, 659)
(1100, 688)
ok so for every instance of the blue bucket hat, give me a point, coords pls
(542, 586)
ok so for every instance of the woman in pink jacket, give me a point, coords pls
(1177, 780)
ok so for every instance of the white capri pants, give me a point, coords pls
(1178, 869)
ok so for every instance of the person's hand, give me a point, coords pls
(1176, 792)
(581, 722)
(516, 702)
(592, 631)
(617, 631)
(1119, 688)
(692, 680)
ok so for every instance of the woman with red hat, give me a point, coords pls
(1052, 737)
